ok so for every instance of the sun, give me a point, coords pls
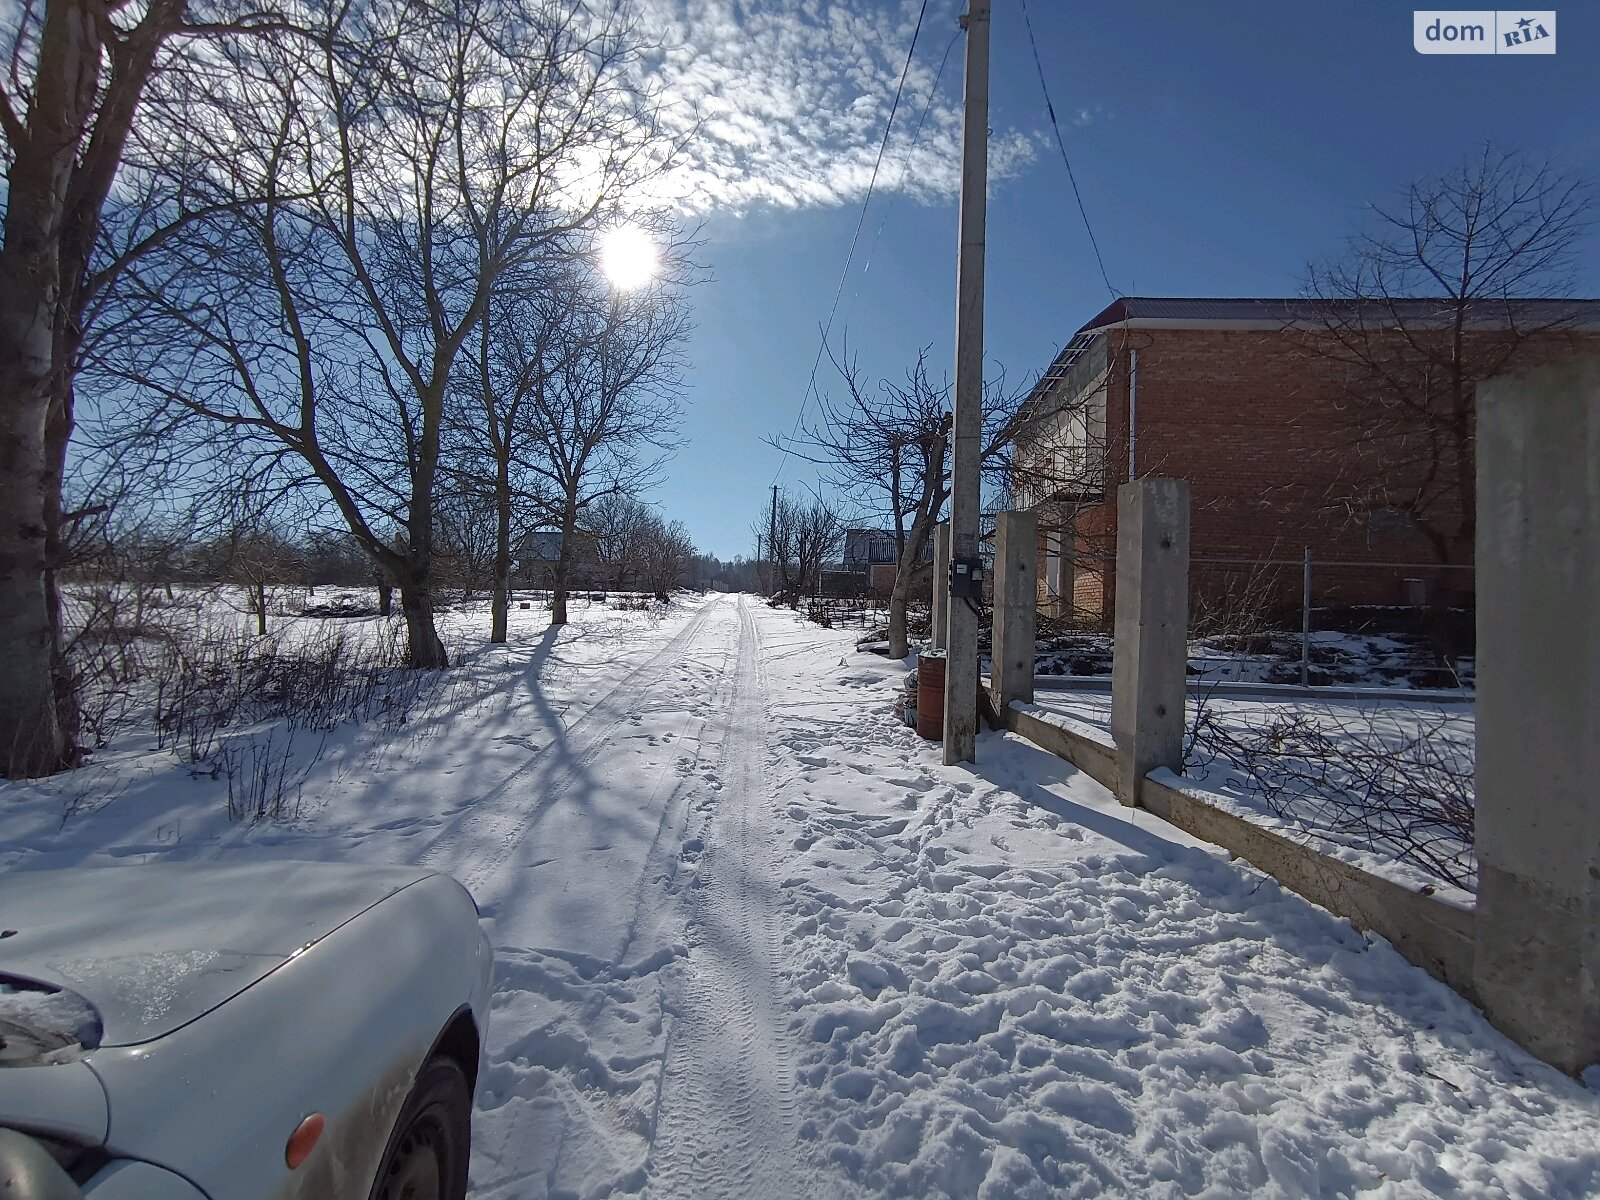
(628, 257)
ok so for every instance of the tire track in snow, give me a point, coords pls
(587, 1012)
(726, 1121)
(590, 733)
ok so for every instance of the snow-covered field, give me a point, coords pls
(754, 940)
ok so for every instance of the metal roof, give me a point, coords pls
(1287, 310)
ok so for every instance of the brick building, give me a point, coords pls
(1261, 406)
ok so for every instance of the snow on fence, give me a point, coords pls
(1142, 759)
(1394, 781)
(1433, 928)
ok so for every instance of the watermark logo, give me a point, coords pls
(1484, 31)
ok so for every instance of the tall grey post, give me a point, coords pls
(1152, 630)
(966, 459)
(941, 585)
(1016, 606)
(1537, 969)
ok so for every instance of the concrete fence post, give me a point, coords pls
(1537, 966)
(941, 584)
(1016, 607)
(1152, 630)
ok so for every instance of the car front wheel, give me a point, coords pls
(426, 1158)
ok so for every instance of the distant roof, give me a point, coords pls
(542, 545)
(1284, 310)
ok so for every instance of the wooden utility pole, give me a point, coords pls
(961, 671)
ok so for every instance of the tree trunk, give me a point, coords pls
(57, 436)
(905, 570)
(499, 606)
(423, 647)
(385, 600)
(33, 740)
(558, 590)
(899, 644)
(261, 608)
(500, 602)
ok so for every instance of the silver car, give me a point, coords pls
(182, 1031)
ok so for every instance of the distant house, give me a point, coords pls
(872, 552)
(865, 548)
(540, 550)
(1237, 397)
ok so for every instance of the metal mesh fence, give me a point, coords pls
(1303, 620)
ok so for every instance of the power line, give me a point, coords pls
(1061, 142)
(905, 167)
(855, 240)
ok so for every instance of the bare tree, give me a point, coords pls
(78, 75)
(600, 398)
(493, 426)
(888, 450)
(818, 536)
(665, 556)
(551, 342)
(801, 536)
(259, 559)
(465, 547)
(412, 156)
(622, 526)
(1491, 245)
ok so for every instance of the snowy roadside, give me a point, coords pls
(1428, 739)
(1007, 986)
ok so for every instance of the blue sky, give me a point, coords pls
(1218, 147)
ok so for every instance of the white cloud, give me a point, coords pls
(788, 100)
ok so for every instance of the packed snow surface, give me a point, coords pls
(753, 940)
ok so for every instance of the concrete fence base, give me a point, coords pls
(1435, 936)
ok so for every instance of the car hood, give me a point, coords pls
(153, 947)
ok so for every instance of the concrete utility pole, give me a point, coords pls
(961, 671)
(772, 544)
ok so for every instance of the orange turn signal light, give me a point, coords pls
(303, 1140)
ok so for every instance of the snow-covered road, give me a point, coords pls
(642, 836)
(753, 940)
